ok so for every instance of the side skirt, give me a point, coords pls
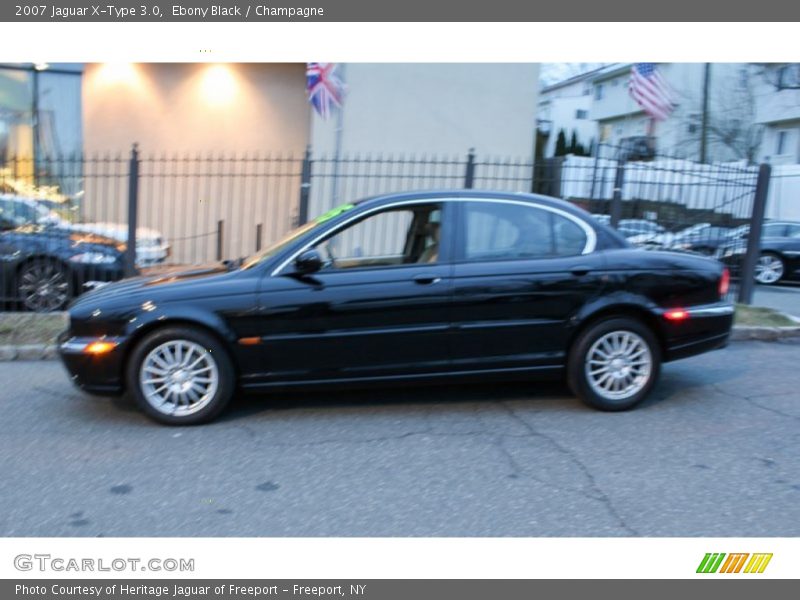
(509, 374)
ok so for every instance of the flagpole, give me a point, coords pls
(337, 153)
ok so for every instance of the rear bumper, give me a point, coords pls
(97, 374)
(707, 327)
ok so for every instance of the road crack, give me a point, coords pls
(596, 492)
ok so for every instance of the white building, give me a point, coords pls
(618, 116)
(778, 110)
(566, 106)
(433, 108)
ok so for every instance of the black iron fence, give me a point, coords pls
(67, 222)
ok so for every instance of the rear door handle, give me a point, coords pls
(580, 270)
(426, 279)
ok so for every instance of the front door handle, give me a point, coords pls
(580, 270)
(426, 279)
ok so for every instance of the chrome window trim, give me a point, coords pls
(589, 246)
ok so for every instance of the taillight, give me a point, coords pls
(724, 282)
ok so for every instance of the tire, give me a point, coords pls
(769, 268)
(43, 285)
(635, 372)
(167, 390)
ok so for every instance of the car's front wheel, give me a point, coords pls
(614, 364)
(769, 268)
(181, 376)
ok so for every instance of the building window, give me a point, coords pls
(780, 143)
(581, 114)
(598, 91)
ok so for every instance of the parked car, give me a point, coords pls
(44, 267)
(705, 240)
(600, 218)
(702, 238)
(410, 287)
(779, 253)
(664, 238)
(151, 247)
(635, 227)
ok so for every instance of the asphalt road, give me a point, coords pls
(715, 452)
(784, 297)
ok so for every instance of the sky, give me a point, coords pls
(554, 72)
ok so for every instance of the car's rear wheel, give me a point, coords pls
(769, 268)
(614, 364)
(44, 285)
(181, 376)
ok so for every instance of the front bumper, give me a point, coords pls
(147, 256)
(95, 373)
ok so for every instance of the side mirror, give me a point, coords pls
(308, 262)
(6, 224)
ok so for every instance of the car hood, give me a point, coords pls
(65, 235)
(165, 278)
(118, 231)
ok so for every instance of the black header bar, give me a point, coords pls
(400, 11)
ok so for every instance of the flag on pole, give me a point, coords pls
(651, 91)
(324, 88)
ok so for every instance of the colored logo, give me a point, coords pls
(734, 563)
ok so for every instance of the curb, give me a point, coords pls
(763, 334)
(29, 352)
(738, 334)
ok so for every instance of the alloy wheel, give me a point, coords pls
(179, 377)
(618, 365)
(769, 269)
(43, 287)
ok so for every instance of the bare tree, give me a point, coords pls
(782, 76)
(732, 119)
(732, 130)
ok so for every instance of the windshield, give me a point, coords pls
(290, 237)
(19, 213)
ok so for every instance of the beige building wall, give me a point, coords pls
(195, 107)
(186, 118)
(426, 109)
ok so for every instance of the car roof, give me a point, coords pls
(479, 194)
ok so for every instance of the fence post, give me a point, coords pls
(746, 282)
(133, 210)
(220, 228)
(469, 173)
(616, 201)
(305, 188)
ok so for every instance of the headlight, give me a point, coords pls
(93, 258)
(148, 242)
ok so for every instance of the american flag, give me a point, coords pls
(324, 87)
(651, 91)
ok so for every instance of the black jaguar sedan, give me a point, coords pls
(413, 287)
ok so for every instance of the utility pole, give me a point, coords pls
(35, 126)
(339, 132)
(704, 124)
